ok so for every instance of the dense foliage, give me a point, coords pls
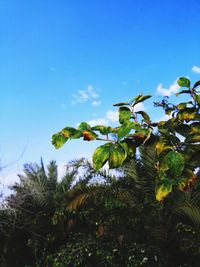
(145, 213)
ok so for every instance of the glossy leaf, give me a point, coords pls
(184, 82)
(58, 140)
(124, 114)
(175, 162)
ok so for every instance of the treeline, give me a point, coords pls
(98, 219)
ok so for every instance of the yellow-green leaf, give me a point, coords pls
(58, 140)
(124, 114)
(163, 189)
(70, 132)
(184, 82)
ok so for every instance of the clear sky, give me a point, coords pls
(67, 61)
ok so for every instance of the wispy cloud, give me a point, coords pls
(173, 89)
(112, 115)
(99, 121)
(89, 94)
(196, 69)
(96, 103)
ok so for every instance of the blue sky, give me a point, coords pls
(62, 62)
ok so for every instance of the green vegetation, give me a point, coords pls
(145, 213)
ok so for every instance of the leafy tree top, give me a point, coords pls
(177, 142)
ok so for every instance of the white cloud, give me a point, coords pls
(173, 89)
(112, 115)
(99, 121)
(96, 103)
(196, 69)
(139, 107)
(85, 95)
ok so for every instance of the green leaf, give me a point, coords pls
(83, 126)
(104, 130)
(141, 98)
(121, 104)
(145, 116)
(58, 140)
(183, 82)
(175, 162)
(113, 153)
(186, 114)
(117, 156)
(124, 114)
(125, 129)
(100, 156)
(70, 132)
(181, 106)
(89, 135)
(196, 84)
(163, 189)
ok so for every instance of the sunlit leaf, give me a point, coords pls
(104, 130)
(125, 129)
(100, 156)
(117, 156)
(113, 153)
(187, 114)
(70, 132)
(58, 140)
(124, 114)
(83, 126)
(184, 82)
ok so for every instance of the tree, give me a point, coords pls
(177, 147)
